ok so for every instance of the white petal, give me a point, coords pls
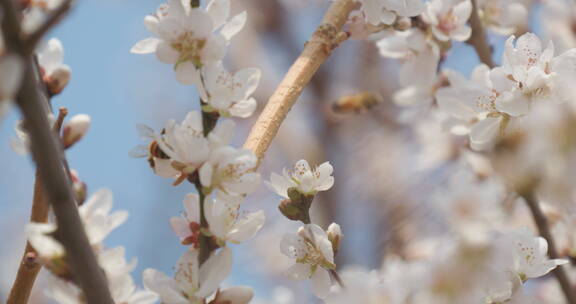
(39, 238)
(483, 134)
(247, 227)
(298, 271)
(165, 53)
(205, 174)
(219, 10)
(180, 226)
(321, 283)
(214, 271)
(164, 286)
(192, 207)
(244, 108)
(232, 27)
(186, 73)
(145, 46)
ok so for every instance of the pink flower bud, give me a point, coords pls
(75, 129)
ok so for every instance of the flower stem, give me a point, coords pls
(209, 120)
(204, 241)
(336, 277)
(478, 38)
(543, 227)
(325, 39)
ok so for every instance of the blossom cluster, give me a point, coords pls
(98, 222)
(194, 41)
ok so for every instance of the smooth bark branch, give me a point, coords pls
(544, 229)
(28, 270)
(326, 37)
(47, 153)
(478, 39)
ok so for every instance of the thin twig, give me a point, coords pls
(544, 229)
(29, 268)
(326, 37)
(28, 271)
(478, 38)
(47, 153)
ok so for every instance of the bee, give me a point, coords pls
(152, 150)
(357, 103)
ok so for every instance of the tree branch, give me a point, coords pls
(544, 229)
(326, 37)
(478, 39)
(29, 267)
(47, 153)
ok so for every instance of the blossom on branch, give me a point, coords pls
(190, 38)
(312, 251)
(307, 180)
(55, 74)
(192, 282)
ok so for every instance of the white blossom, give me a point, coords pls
(227, 223)
(504, 17)
(479, 104)
(496, 97)
(96, 218)
(190, 38)
(230, 94)
(386, 11)
(313, 255)
(306, 179)
(530, 254)
(448, 19)
(161, 166)
(231, 170)
(418, 72)
(192, 283)
(187, 226)
(186, 145)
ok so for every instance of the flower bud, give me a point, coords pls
(57, 80)
(234, 295)
(75, 129)
(335, 236)
(297, 208)
(79, 187)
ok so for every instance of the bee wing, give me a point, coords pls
(139, 151)
(145, 132)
